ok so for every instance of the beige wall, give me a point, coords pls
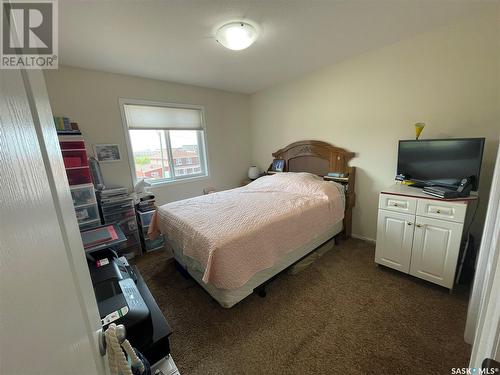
(91, 99)
(447, 78)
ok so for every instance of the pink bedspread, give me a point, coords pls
(236, 233)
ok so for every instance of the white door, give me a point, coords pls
(48, 314)
(436, 245)
(394, 239)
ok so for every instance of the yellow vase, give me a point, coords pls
(419, 126)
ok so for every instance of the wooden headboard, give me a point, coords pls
(319, 158)
(315, 157)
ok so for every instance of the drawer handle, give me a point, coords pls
(395, 205)
(438, 211)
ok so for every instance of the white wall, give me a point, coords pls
(91, 99)
(447, 78)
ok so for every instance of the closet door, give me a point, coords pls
(436, 245)
(394, 240)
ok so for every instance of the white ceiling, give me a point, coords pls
(173, 40)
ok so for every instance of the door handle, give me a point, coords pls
(408, 223)
(420, 225)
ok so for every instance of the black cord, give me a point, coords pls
(472, 217)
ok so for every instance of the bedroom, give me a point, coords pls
(347, 79)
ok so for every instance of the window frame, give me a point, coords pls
(202, 143)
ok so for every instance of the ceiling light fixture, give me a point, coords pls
(236, 35)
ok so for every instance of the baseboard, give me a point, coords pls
(359, 237)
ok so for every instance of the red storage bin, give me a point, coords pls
(79, 176)
(72, 145)
(74, 159)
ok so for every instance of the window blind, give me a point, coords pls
(168, 118)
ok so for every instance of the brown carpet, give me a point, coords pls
(342, 315)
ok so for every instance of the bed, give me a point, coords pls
(232, 242)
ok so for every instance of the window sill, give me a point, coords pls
(159, 184)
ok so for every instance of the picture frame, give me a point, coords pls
(278, 165)
(105, 153)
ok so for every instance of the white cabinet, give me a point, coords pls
(420, 235)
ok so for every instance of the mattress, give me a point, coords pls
(233, 235)
(228, 298)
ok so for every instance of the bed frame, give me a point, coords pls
(319, 158)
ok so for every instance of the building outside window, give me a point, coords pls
(166, 142)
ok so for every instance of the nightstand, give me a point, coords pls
(350, 197)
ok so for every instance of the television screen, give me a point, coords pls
(441, 161)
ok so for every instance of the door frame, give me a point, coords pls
(483, 318)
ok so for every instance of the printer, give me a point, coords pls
(124, 298)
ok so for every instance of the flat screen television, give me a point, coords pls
(442, 162)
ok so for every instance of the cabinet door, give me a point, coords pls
(436, 245)
(394, 240)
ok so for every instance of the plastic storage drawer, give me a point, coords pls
(79, 176)
(72, 145)
(89, 224)
(119, 216)
(75, 158)
(146, 217)
(150, 244)
(132, 240)
(86, 213)
(115, 208)
(83, 195)
(128, 225)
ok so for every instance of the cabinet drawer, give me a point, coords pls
(452, 211)
(397, 203)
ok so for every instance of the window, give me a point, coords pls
(163, 139)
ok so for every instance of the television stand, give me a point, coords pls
(420, 234)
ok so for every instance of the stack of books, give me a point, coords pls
(64, 126)
(337, 176)
(112, 195)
